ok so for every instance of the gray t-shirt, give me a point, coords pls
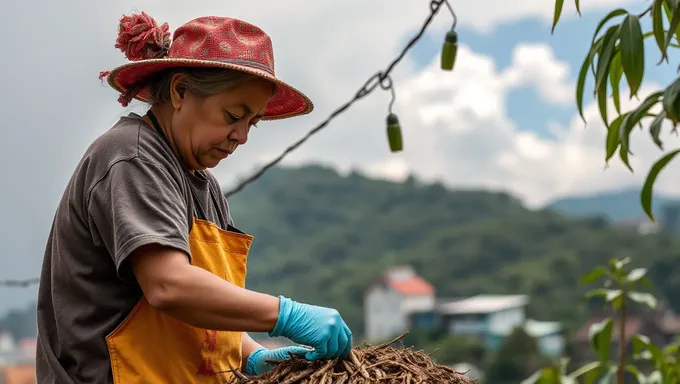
(128, 190)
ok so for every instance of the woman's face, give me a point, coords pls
(206, 130)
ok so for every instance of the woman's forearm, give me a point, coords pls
(200, 298)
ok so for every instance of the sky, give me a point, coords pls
(504, 119)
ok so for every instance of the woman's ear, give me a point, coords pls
(177, 90)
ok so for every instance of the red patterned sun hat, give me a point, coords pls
(211, 41)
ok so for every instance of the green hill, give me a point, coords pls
(615, 205)
(322, 238)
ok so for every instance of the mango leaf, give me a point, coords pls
(655, 129)
(647, 188)
(606, 54)
(615, 73)
(671, 100)
(636, 116)
(559, 4)
(609, 16)
(594, 275)
(636, 274)
(672, 27)
(670, 12)
(581, 83)
(577, 3)
(600, 335)
(643, 298)
(613, 137)
(657, 27)
(632, 52)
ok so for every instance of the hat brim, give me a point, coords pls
(285, 103)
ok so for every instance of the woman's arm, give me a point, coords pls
(197, 297)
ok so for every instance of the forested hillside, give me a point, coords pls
(322, 238)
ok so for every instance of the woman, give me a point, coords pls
(143, 276)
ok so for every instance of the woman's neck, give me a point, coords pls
(163, 116)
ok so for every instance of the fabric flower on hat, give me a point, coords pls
(140, 37)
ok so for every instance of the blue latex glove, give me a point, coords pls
(257, 361)
(320, 328)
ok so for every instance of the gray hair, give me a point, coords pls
(202, 82)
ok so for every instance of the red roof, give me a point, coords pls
(411, 286)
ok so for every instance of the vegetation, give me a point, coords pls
(621, 289)
(618, 50)
(323, 238)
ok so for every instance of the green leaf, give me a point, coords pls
(636, 274)
(605, 56)
(643, 298)
(600, 338)
(669, 12)
(673, 27)
(646, 194)
(655, 129)
(609, 16)
(608, 377)
(640, 343)
(581, 83)
(600, 292)
(623, 155)
(585, 369)
(670, 100)
(632, 52)
(657, 27)
(577, 3)
(615, 73)
(613, 137)
(594, 275)
(636, 372)
(635, 116)
(559, 4)
(620, 263)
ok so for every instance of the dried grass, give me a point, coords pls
(367, 364)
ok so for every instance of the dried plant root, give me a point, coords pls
(367, 364)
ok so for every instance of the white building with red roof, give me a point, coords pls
(399, 292)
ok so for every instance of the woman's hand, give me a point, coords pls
(318, 327)
(257, 361)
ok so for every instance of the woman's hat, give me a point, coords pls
(211, 41)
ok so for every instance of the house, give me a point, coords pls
(390, 301)
(482, 315)
(492, 318)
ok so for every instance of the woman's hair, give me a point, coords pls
(202, 82)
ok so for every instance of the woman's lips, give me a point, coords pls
(223, 153)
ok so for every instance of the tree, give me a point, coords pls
(617, 50)
(621, 289)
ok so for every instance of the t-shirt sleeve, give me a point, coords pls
(135, 204)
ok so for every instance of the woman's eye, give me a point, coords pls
(232, 117)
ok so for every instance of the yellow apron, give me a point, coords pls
(154, 348)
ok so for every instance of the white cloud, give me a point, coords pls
(456, 128)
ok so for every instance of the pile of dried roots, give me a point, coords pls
(367, 364)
